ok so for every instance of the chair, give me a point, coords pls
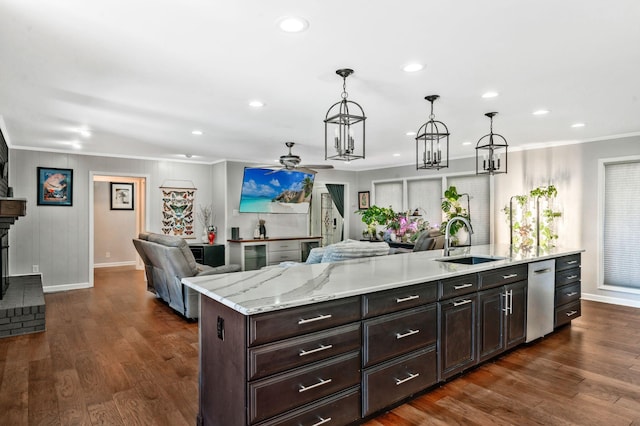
(167, 260)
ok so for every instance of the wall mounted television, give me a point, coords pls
(275, 191)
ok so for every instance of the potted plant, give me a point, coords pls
(376, 216)
(452, 207)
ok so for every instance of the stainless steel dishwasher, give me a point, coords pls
(540, 299)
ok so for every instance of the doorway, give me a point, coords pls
(325, 219)
(113, 224)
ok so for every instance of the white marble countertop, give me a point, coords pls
(274, 288)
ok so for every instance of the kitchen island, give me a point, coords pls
(338, 342)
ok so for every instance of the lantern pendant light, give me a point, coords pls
(344, 129)
(432, 143)
(489, 152)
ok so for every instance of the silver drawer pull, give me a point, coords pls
(542, 271)
(312, 351)
(506, 277)
(322, 382)
(318, 318)
(572, 313)
(411, 377)
(461, 286)
(407, 334)
(462, 302)
(572, 262)
(572, 277)
(573, 293)
(406, 299)
(322, 421)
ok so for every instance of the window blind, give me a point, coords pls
(621, 256)
(477, 186)
(426, 194)
(388, 194)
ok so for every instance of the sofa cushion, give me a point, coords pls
(352, 249)
(179, 243)
(315, 255)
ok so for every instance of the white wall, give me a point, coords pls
(113, 229)
(57, 238)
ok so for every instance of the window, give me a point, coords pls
(620, 256)
(426, 194)
(477, 186)
(388, 194)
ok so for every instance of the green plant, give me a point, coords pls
(374, 216)
(452, 207)
(525, 223)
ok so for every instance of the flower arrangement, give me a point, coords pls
(406, 229)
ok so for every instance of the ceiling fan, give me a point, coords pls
(292, 162)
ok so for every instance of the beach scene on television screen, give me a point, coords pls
(282, 191)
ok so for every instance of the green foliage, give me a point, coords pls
(524, 221)
(374, 216)
(452, 207)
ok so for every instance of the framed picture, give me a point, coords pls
(55, 187)
(363, 200)
(121, 196)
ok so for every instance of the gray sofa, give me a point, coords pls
(167, 260)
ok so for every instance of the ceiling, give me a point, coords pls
(141, 75)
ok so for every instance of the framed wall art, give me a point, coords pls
(363, 200)
(55, 187)
(121, 196)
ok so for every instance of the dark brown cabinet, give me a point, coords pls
(457, 334)
(568, 289)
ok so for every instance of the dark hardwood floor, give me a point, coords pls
(115, 355)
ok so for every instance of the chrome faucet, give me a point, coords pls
(447, 233)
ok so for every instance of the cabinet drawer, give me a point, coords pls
(453, 287)
(498, 277)
(274, 246)
(281, 393)
(198, 254)
(567, 277)
(396, 334)
(567, 262)
(393, 381)
(567, 294)
(398, 299)
(298, 351)
(277, 325)
(276, 257)
(339, 409)
(565, 313)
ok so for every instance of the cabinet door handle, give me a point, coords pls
(322, 382)
(573, 293)
(572, 277)
(506, 277)
(406, 379)
(506, 303)
(318, 318)
(572, 262)
(572, 313)
(461, 302)
(461, 286)
(406, 299)
(407, 334)
(510, 302)
(313, 351)
(322, 421)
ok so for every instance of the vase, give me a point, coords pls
(212, 237)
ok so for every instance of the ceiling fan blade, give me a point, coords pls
(317, 166)
(304, 170)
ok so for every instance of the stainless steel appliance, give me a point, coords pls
(540, 299)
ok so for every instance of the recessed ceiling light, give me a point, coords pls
(577, 125)
(466, 143)
(396, 155)
(86, 133)
(488, 95)
(196, 132)
(76, 145)
(188, 155)
(291, 24)
(256, 104)
(541, 112)
(347, 162)
(410, 133)
(413, 67)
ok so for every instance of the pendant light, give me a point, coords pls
(489, 151)
(344, 127)
(432, 143)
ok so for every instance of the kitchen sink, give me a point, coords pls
(469, 260)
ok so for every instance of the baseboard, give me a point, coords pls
(65, 287)
(611, 300)
(112, 264)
